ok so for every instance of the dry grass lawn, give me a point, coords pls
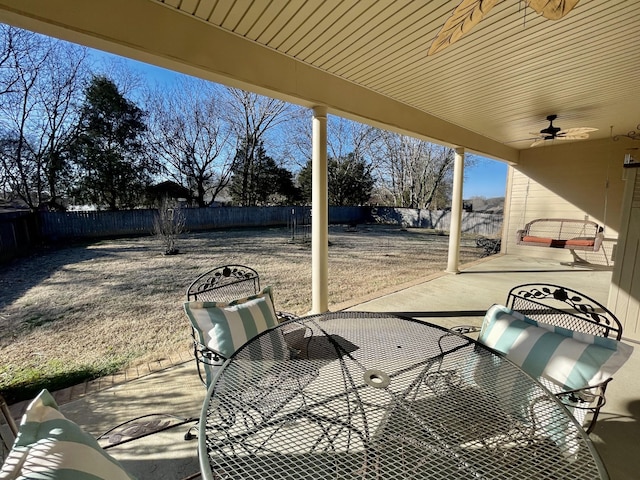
(72, 313)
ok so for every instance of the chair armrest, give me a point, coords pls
(285, 316)
(207, 356)
(464, 329)
(587, 398)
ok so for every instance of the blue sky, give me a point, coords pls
(486, 178)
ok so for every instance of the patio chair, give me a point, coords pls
(221, 328)
(8, 429)
(49, 445)
(566, 339)
(223, 284)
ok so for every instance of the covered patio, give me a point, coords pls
(443, 299)
(488, 93)
(503, 69)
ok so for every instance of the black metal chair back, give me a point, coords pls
(564, 307)
(224, 283)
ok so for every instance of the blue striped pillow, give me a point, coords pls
(226, 326)
(50, 446)
(570, 359)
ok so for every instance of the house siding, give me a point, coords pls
(624, 295)
(579, 180)
(583, 180)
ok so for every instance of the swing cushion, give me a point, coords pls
(580, 242)
(561, 233)
(540, 240)
(555, 243)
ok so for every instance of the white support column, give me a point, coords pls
(319, 215)
(456, 213)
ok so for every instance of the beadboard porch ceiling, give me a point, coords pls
(489, 91)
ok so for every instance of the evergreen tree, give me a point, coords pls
(258, 180)
(112, 165)
(349, 181)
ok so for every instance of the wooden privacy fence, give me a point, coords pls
(57, 226)
(485, 224)
(18, 234)
(20, 231)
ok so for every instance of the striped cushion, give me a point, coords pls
(49, 446)
(226, 326)
(570, 359)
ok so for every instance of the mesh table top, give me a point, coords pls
(375, 396)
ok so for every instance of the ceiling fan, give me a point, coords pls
(556, 133)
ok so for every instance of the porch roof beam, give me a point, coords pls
(150, 32)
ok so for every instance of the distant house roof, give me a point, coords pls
(169, 189)
(14, 205)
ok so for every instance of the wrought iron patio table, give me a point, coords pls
(377, 396)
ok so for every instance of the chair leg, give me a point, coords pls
(8, 418)
(8, 430)
(190, 435)
(141, 427)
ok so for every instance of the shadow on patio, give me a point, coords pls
(442, 299)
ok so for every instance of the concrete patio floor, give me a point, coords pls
(443, 299)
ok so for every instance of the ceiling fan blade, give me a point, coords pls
(552, 9)
(539, 141)
(466, 16)
(530, 139)
(576, 131)
(575, 136)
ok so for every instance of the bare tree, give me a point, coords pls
(60, 99)
(168, 225)
(298, 137)
(349, 151)
(129, 81)
(409, 172)
(252, 117)
(190, 137)
(39, 110)
(344, 137)
(13, 46)
(22, 64)
(414, 173)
